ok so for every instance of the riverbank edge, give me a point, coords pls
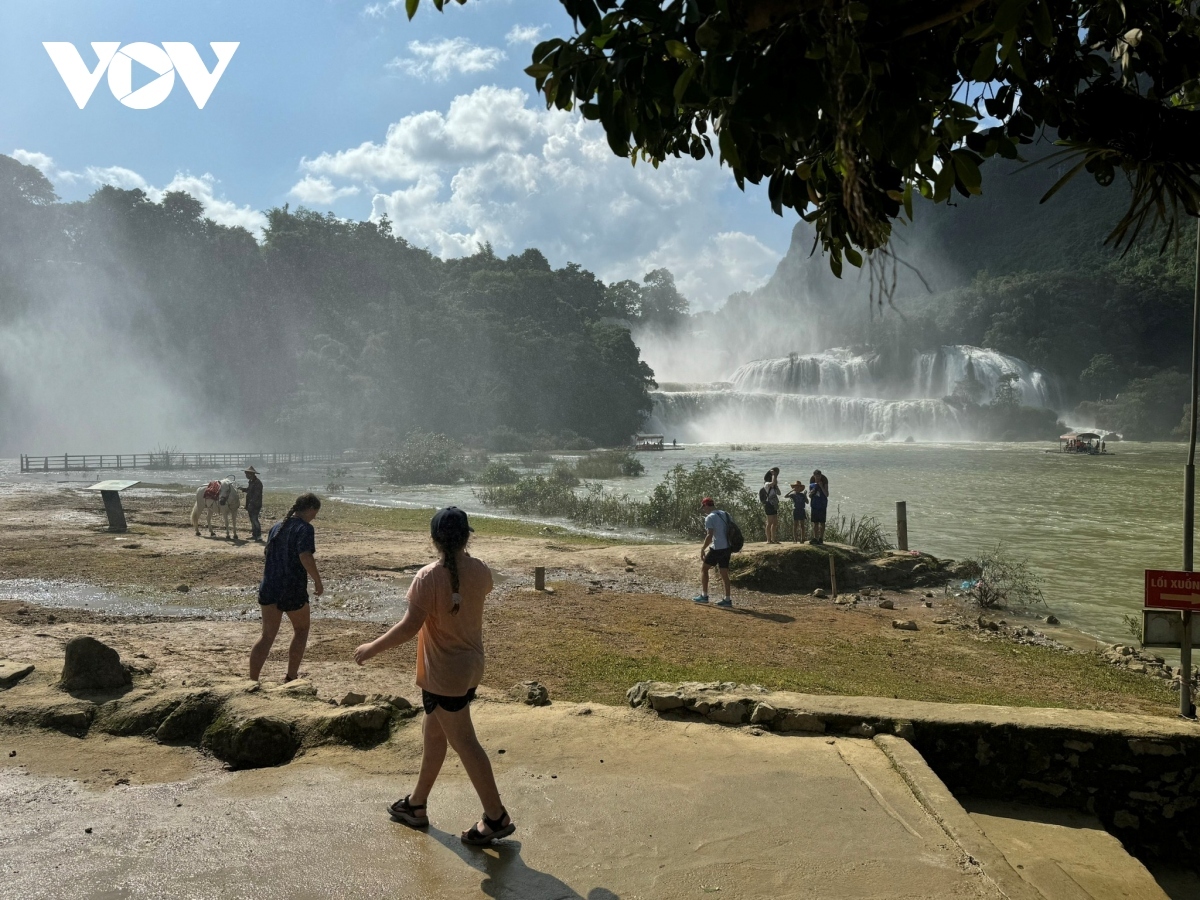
(1139, 775)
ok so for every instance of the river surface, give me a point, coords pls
(1088, 525)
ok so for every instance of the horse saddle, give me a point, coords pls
(212, 491)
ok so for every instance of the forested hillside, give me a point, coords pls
(1006, 272)
(328, 333)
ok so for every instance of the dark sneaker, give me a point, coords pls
(700, 598)
(724, 604)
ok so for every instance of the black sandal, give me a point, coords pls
(403, 811)
(496, 830)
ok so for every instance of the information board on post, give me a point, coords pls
(1166, 589)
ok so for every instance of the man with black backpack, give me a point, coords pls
(721, 536)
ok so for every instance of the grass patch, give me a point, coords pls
(596, 646)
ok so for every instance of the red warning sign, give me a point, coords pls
(1172, 590)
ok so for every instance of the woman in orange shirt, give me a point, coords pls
(445, 613)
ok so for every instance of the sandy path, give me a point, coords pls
(610, 803)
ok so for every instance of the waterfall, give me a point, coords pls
(937, 373)
(930, 376)
(697, 416)
(844, 395)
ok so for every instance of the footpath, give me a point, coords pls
(610, 803)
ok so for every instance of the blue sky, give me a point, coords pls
(346, 106)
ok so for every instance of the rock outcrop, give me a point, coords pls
(93, 666)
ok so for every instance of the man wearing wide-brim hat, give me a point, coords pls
(253, 492)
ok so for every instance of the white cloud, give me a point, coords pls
(524, 34)
(118, 177)
(439, 60)
(491, 168)
(379, 10)
(46, 165)
(320, 191)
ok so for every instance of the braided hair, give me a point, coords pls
(303, 502)
(449, 541)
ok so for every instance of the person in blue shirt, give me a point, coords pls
(818, 501)
(799, 516)
(287, 566)
(715, 552)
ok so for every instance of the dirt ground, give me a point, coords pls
(618, 614)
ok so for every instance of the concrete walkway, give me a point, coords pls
(610, 803)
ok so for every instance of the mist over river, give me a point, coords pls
(1089, 525)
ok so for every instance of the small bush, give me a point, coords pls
(498, 473)
(674, 504)
(1004, 581)
(867, 534)
(423, 459)
(609, 464)
(563, 473)
(1133, 624)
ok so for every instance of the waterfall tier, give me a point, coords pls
(698, 416)
(925, 376)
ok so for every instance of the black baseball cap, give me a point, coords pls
(449, 521)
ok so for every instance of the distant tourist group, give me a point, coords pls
(723, 538)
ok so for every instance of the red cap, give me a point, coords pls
(707, 501)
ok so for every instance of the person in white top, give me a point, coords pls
(715, 550)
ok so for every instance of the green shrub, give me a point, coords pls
(498, 473)
(866, 534)
(424, 459)
(563, 473)
(1004, 581)
(674, 505)
(609, 464)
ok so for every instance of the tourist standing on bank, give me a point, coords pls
(818, 501)
(287, 567)
(715, 551)
(799, 498)
(253, 491)
(445, 614)
(768, 495)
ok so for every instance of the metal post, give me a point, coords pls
(832, 576)
(539, 578)
(901, 524)
(1186, 708)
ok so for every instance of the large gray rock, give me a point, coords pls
(92, 666)
(362, 725)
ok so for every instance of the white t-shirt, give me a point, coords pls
(715, 522)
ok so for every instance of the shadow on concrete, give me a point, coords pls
(508, 877)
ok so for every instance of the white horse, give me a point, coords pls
(227, 502)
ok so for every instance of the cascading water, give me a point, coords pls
(843, 395)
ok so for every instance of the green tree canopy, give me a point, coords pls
(848, 108)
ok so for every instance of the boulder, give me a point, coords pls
(352, 698)
(904, 624)
(820, 594)
(363, 725)
(92, 666)
(12, 672)
(142, 713)
(190, 719)
(886, 604)
(251, 741)
(531, 692)
(395, 701)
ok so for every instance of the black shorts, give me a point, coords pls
(818, 516)
(449, 704)
(287, 604)
(718, 558)
(798, 515)
(771, 510)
